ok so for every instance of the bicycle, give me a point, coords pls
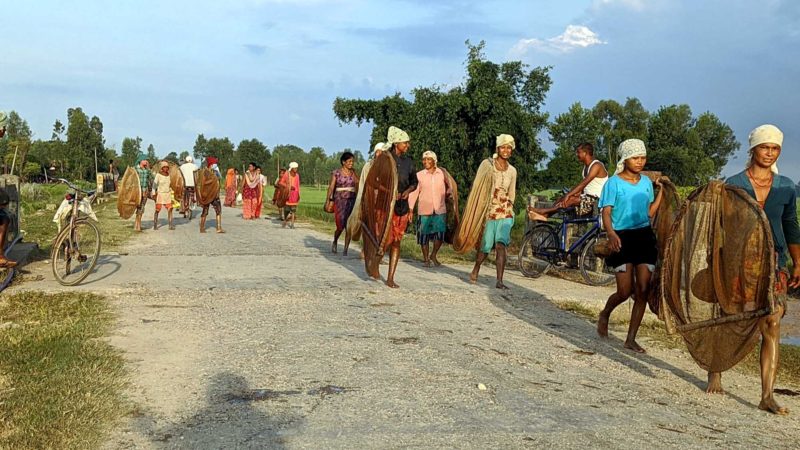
(77, 246)
(188, 207)
(545, 246)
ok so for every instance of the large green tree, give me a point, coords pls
(253, 150)
(576, 126)
(461, 123)
(131, 149)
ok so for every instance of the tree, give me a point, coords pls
(183, 155)
(81, 144)
(131, 149)
(171, 157)
(254, 151)
(200, 147)
(151, 155)
(460, 124)
(569, 129)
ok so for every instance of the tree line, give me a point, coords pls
(459, 123)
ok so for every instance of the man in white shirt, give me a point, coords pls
(187, 170)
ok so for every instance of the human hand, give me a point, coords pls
(794, 280)
(614, 242)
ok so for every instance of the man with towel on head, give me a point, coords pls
(187, 171)
(497, 230)
(146, 183)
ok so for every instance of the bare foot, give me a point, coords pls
(602, 325)
(392, 284)
(473, 279)
(344, 253)
(435, 261)
(220, 230)
(632, 345)
(772, 406)
(202, 230)
(334, 248)
(714, 383)
(426, 263)
(500, 285)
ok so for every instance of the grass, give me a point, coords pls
(38, 226)
(60, 382)
(789, 372)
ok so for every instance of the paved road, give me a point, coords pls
(259, 338)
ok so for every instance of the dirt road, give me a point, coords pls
(259, 338)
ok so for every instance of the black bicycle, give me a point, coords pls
(545, 245)
(77, 246)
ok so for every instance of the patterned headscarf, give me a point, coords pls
(629, 148)
(431, 155)
(505, 139)
(396, 135)
(765, 134)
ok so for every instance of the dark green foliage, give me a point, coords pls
(461, 123)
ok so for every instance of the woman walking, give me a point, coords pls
(230, 187)
(431, 194)
(627, 204)
(342, 193)
(291, 182)
(251, 189)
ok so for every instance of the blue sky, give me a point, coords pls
(270, 69)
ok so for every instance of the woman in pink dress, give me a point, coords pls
(251, 193)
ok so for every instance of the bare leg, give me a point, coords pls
(714, 383)
(3, 230)
(639, 306)
(335, 245)
(202, 224)
(770, 327)
(155, 220)
(500, 251)
(426, 248)
(293, 216)
(347, 238)
(436, 246)
(137, 224)
(479, 259)
(219, 224)
(394, 258)
(624, 287)
(169, 219)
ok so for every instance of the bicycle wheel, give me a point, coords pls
(539, 249)
(593, 268)
(75, 253)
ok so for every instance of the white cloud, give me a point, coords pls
(574, 37)
(197, 126)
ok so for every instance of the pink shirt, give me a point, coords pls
(430, 192)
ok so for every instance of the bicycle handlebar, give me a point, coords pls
(71, 186)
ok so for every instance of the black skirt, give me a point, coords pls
(638, 247)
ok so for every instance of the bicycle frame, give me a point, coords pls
(561, 250)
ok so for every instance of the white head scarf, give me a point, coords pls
(379, 147)
(189, 159)
(293, 165)
(431, 155)
(396, 135)
(505, 139)
(629, 148)
(765, 134)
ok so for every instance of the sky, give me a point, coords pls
(271, 69)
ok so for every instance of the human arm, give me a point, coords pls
(606, 205)
(331, 187)
(657, 202)
(594, 172)
(512, 190)
(613, 239)
(791, 230)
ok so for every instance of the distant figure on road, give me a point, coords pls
(187, 169)
(250, 193)
(497, 229)
(230, 188)
(342, 191)
(276, 195)
(162, 192)
(430, 197)
(291, 182)
(261, 186)
(202, 186)
(146, 184)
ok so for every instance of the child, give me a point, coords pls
(627, 204)
(162, 190)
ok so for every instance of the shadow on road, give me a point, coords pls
(352, 261)
(229, 419)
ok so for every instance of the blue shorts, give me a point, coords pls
(496, 231)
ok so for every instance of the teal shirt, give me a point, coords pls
(630, 203)
(780, 208)
(145, 179)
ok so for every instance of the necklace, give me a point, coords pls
(753, 179)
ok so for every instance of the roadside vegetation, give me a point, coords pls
(60, 382)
